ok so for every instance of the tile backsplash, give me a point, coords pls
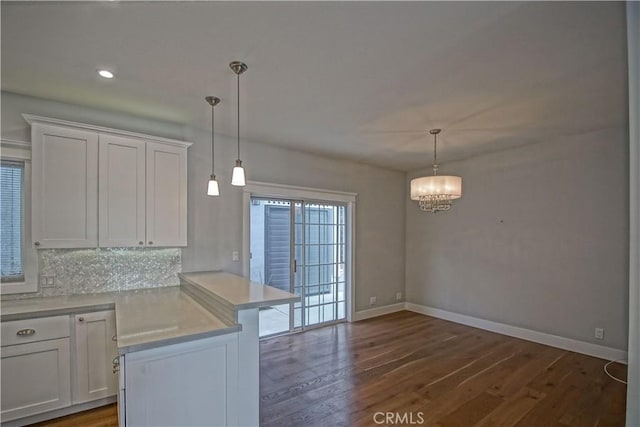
(90, 271)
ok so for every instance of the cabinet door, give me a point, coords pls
(166, 195)
(187, 384)
(95, 350)
(122, 191)
(65, 187)
(35, 378)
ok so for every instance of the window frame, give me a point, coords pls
(19, 151)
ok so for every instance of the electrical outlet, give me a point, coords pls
(235, 255)
(372, 301)
(47, 281)
(599, 333)
(398, 296)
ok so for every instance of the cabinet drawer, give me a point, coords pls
(32, 330)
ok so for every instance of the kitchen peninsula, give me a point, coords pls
(186, 354)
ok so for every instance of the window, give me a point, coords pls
(18, 259)
(11, 214)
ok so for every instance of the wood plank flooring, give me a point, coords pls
(105, 416)
(438, 372)
(427, 371)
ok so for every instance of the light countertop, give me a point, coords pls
(148, 318)
(240, 292)
(144, 318)
(163, 316)
(30, 308)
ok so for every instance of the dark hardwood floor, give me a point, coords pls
(427, 371)
(105, 416)
(437, 372)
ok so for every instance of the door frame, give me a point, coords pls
(263, 189)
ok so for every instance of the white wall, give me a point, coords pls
(539, 239)
(215, 224)
(633, 373)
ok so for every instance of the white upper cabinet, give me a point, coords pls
(166, 195)
(122, 192)
(65, 187)
(95, 186)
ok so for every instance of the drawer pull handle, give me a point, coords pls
(81, 319)
(114, 338)
(26, 332)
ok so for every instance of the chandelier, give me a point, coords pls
(435, 193)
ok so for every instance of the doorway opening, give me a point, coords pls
(300, 246)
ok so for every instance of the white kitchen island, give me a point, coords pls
(193, 360)
(236, 299)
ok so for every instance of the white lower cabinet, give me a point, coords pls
(35, 367)
(44, 374)
(95, 350)
(189, 384)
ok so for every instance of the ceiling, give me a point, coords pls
(357, 80)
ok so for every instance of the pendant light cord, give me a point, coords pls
(213, 168)
(238, 115)
(435, 158)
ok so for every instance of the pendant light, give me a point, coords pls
(237, 178)
(435, 193)
(213, 189)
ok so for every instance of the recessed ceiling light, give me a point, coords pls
(105, 73)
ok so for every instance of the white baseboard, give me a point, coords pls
(378, 311)
(582, 347)
(589, 349)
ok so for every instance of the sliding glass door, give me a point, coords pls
(299, 246)
(320, 263)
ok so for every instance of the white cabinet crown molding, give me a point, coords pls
(32, 119)
(13, 143)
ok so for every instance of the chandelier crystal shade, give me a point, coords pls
(435, 193)
(213, 189)
(237, 177)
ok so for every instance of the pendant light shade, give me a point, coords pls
(238, 178)
(435, 193)
(448, 185)
(213, 189)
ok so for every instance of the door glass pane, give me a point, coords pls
(271, 257)
(324, 263)
(298, 276)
